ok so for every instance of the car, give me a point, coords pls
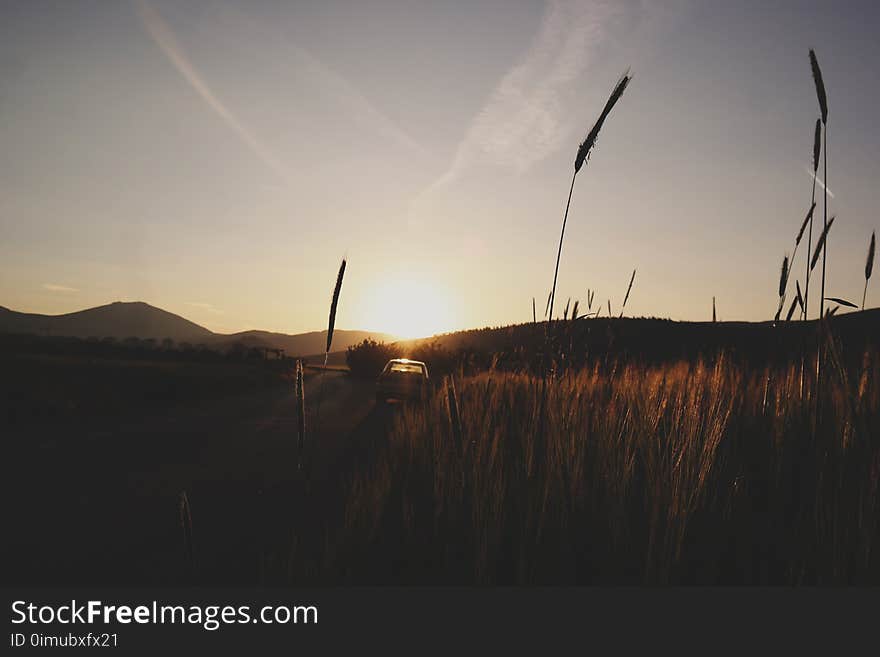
(402, 379)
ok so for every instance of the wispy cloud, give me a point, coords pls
(54, 287)
(524, 119)
(201, 305)
(164, 38)
(313, 72)
(353, 100)
(331, 83)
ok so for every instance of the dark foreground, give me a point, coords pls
(708, 469)
(95, 501)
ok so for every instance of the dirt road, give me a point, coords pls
(98, 504)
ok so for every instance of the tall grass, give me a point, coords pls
(819, 250)
(628, 290)
(701, 472)
(817, 144)
(823, 109)
(869, 266)
(331, 324)
(783, 283)
(583, 155)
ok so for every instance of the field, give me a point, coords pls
(727, 461)
(699, 470)
(693, 473)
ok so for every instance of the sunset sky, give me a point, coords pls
(218, 158)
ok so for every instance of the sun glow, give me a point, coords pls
(408, 308)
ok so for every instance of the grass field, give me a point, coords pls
(723, 461)
(702, 471)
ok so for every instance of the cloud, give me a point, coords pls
(331, 84)
(525, 118)
(54, 287)
(164, 38)
(201, 305)
(349, 96)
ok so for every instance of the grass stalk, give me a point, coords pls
(869, 265)
(823, 108)
(583, 155)
(817, 145)
(628, 290)
(783, 283)
(300, 414)
(331, 324)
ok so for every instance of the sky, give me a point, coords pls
(219, 158)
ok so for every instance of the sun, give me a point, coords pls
(408, 308)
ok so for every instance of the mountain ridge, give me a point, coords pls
(123, 319)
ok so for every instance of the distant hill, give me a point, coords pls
(141, 320)
(117, 320)
(653, 339)
(301, 344)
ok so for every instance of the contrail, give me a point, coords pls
(335, 84)
(818, 181)
(54, 287)
(162, 35)
(524, 119)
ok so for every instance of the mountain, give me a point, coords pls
(141, 320)
(301, 344)
(118, 320)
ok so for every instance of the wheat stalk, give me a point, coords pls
(823, 108)
(797, 240)
(820, 243)
(783, 283)
(817, 145)
(583, 155)
(334, 302)
(869, 265)
(800, 298)
(628, 289)
(820, 86)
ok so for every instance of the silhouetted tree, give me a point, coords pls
(369, 357)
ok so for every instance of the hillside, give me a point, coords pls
(118, 320)
(654, 339)
(121, 320)
(301, 344)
